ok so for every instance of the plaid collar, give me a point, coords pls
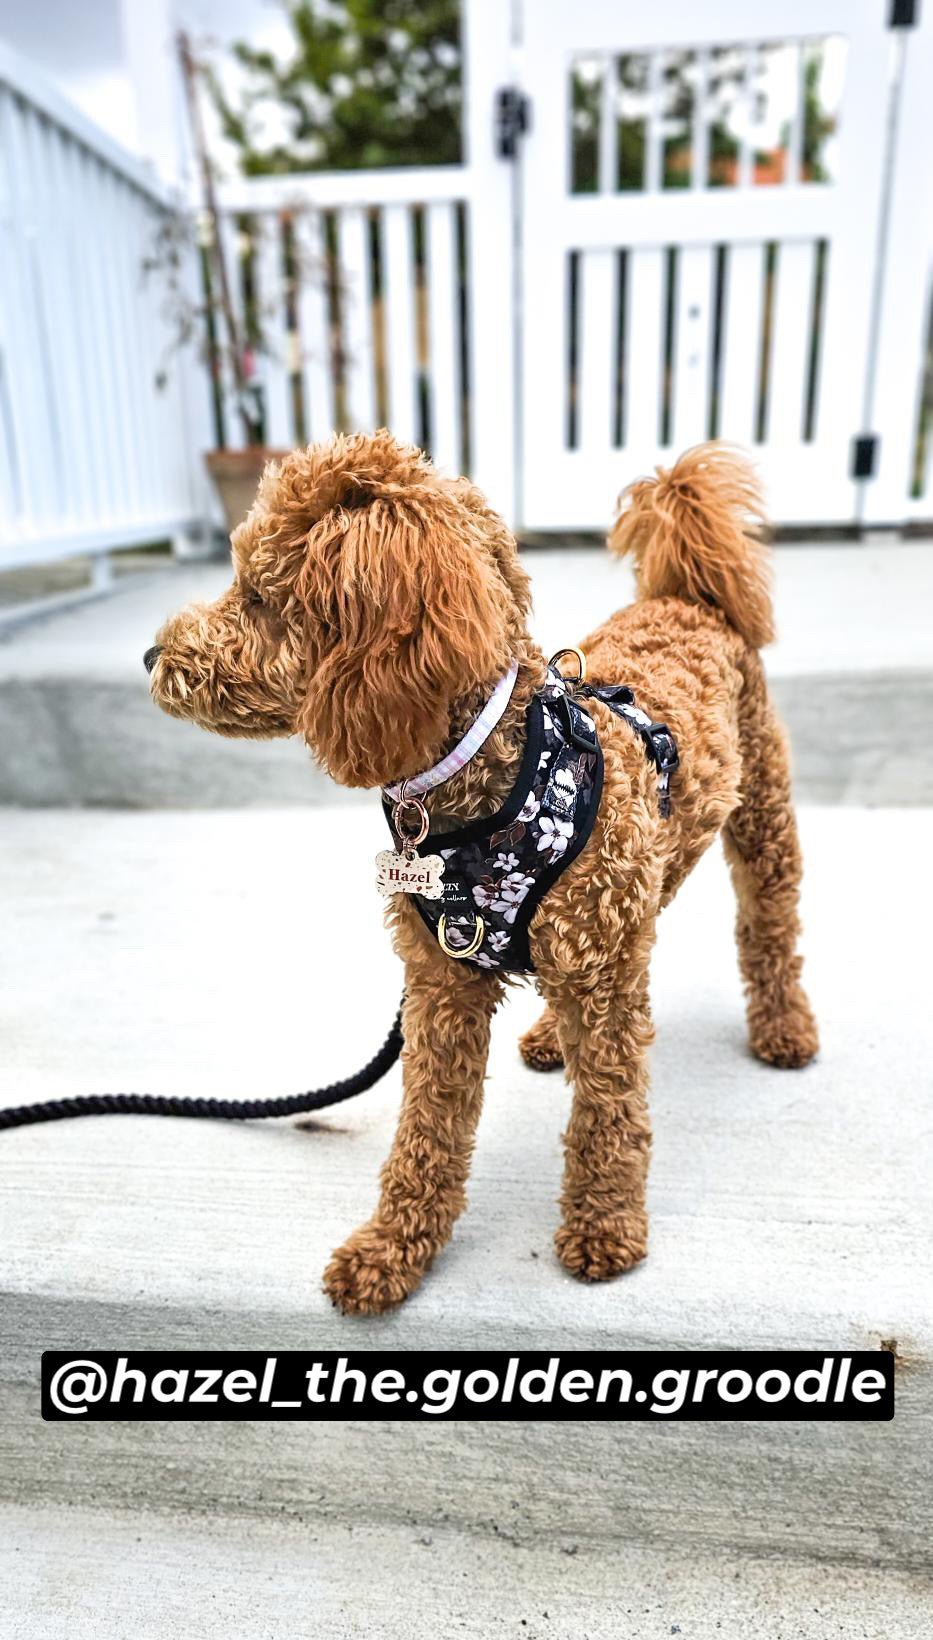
(478, 732)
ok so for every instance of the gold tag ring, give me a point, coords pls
(581, 662)
(468, 950)
(410, 839)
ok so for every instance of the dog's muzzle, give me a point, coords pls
(151, 656)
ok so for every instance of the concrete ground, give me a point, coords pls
(177, 953)
(852, 672)
(268, 1580)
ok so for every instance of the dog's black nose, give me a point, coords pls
(151, 656)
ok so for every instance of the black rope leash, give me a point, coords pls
(226, 1110)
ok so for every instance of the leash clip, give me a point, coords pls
(409, 840)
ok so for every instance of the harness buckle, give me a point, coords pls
(663, 747)
(574, 723)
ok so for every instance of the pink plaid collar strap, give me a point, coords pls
(478, 732)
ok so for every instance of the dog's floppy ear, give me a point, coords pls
(406, 612)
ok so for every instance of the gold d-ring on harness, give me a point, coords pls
(468, 950)
(581, 662)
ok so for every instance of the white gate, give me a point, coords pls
(700, 219)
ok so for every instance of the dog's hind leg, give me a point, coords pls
(763, 851)
(540, 1047)
(446, 1020)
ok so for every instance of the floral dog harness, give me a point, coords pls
(497, 869)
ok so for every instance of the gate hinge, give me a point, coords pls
(513, 120)
(865, 447)
(904, 14)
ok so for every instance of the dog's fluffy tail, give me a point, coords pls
(694, 532)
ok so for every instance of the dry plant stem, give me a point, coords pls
(189, 69)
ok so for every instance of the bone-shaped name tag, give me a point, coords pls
(399, 874)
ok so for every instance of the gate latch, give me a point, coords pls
(513, 120)
(864, 462)
(903, 14)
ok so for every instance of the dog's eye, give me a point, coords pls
(252, 598)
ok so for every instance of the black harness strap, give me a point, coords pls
(659, 743)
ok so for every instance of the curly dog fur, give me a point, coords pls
(373, 608)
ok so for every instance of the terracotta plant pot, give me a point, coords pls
(236, 475)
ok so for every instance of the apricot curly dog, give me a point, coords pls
(374, 607)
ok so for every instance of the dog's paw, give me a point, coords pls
(597, 1253)
(371, 1273)
(786, 1037)
(539, 1047)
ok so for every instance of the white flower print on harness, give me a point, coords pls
(554, 835)
(505, 897)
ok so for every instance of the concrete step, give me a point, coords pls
(853, 676)
(78, 1574)
(183, 953)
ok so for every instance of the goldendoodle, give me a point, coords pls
(374, 609)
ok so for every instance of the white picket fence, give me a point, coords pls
(663, 260)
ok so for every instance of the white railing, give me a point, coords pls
(93, 451)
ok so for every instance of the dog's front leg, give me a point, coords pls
(605, 1030)
(446, 1019)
